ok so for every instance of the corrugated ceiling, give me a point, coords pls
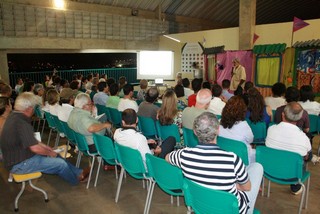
(224, 13)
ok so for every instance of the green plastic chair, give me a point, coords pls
(103, 109)
(58, 127)
(51, 124)
(107, 152)
(218, 116)
(131, 162)
(83, 147)
(39, 114)
(235, 146)
(147, 126)
(314, 120)
(259, 130)
(189, 138)
(115, 116)
(283, 167)
(168, 130)
(203, 200)
(171, 182)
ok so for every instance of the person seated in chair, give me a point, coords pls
(147, 107)
(23, 153)
(130, 137)
(220, 170)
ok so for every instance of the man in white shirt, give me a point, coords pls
(101, 97)
(287, 136)
(126, 101)
(277, 99)
(217, 103)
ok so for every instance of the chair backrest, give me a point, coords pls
(189, 138)
(103, 109)
(81, 142)
(58, 124)
(131, 160)
(115, 116)
(259, 130)
(147, 126)
(206, 200)
(37, 112)
(280, 164)
(235, 146)
(168, 130)
(105, 148)
(50, 120)
(314, 119)
(218, 116)
(169, 178)
(67, 131)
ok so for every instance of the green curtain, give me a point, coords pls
(268, 71)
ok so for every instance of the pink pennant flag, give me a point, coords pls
(255, 37)
(298, 24)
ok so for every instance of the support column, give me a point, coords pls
(247, 22)
(4, 70)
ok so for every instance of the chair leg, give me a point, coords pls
(44, 123)
(307, 194)
(91, 169)
(119, 185)
(98, 171)
(178, 201)
(56, 143)
(16, 208)
(78, 159)
(149, 197)
(262, 186)
(269, 184)
(189, 211)
(38, 124)
(171, 199)
(302, 197)
(49, 137)
(40, 190)
(116, 170)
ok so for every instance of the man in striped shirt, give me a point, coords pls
(209, 166)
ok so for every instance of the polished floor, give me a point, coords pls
(77, 199)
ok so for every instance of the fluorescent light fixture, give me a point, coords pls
(59, 4)
(169, 37)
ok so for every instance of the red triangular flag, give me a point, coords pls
(255, 37)
(298, 24)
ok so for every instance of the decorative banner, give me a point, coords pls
(255, 37)
(298, 24)
(192, 53)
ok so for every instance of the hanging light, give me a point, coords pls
(59, 4)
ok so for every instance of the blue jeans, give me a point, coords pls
(48, 165)
(255, 172)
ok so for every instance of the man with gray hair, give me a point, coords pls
(202, 103)
(220, 170)
(288, 136)
(147, 108)
(81, 120)
(238, 75)
(23, 153)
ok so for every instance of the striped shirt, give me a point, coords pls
(214, 168)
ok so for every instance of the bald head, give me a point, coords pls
(203, 98)
(292, 112)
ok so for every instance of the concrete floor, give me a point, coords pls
(77, 199)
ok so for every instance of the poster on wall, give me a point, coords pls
(192, 59)
(308, 69)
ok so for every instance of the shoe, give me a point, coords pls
(108, 167)
(297, 192)
(315, 159)
(84, 175)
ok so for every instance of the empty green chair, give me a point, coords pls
(169, 178)
(283, 167)
(83, 147)
(168, 130)
(235, 146)
(115, 116)
(189, 138)
(314, 120)
(131, 162)
(204, 200)
(147, 126)
(107, 152)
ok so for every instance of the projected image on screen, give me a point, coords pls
(155, 64)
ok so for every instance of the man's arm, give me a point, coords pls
(96, 127)
(42, 149)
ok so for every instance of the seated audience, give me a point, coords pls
(18, 85)
(186, 86)
(23, 153)
(244, 94)
(277, 98)
(206, 85)
(234, 126)
(122, 83)
(28, 86)
(67, 97)
(217, 103)
(225, 89)
(88, 83)
(143, 90)
(147, 107)
(101, 97)
(219, 169)
(114, 99)
(307, 100)
(130, 137)
(182, 101)
(53, 98)
(5, 90)
(190, 113)
(287, 136)
(82, 121)
(39, 91)
(196, 86)
(127, 101)
(293, 95)
(257, 110)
